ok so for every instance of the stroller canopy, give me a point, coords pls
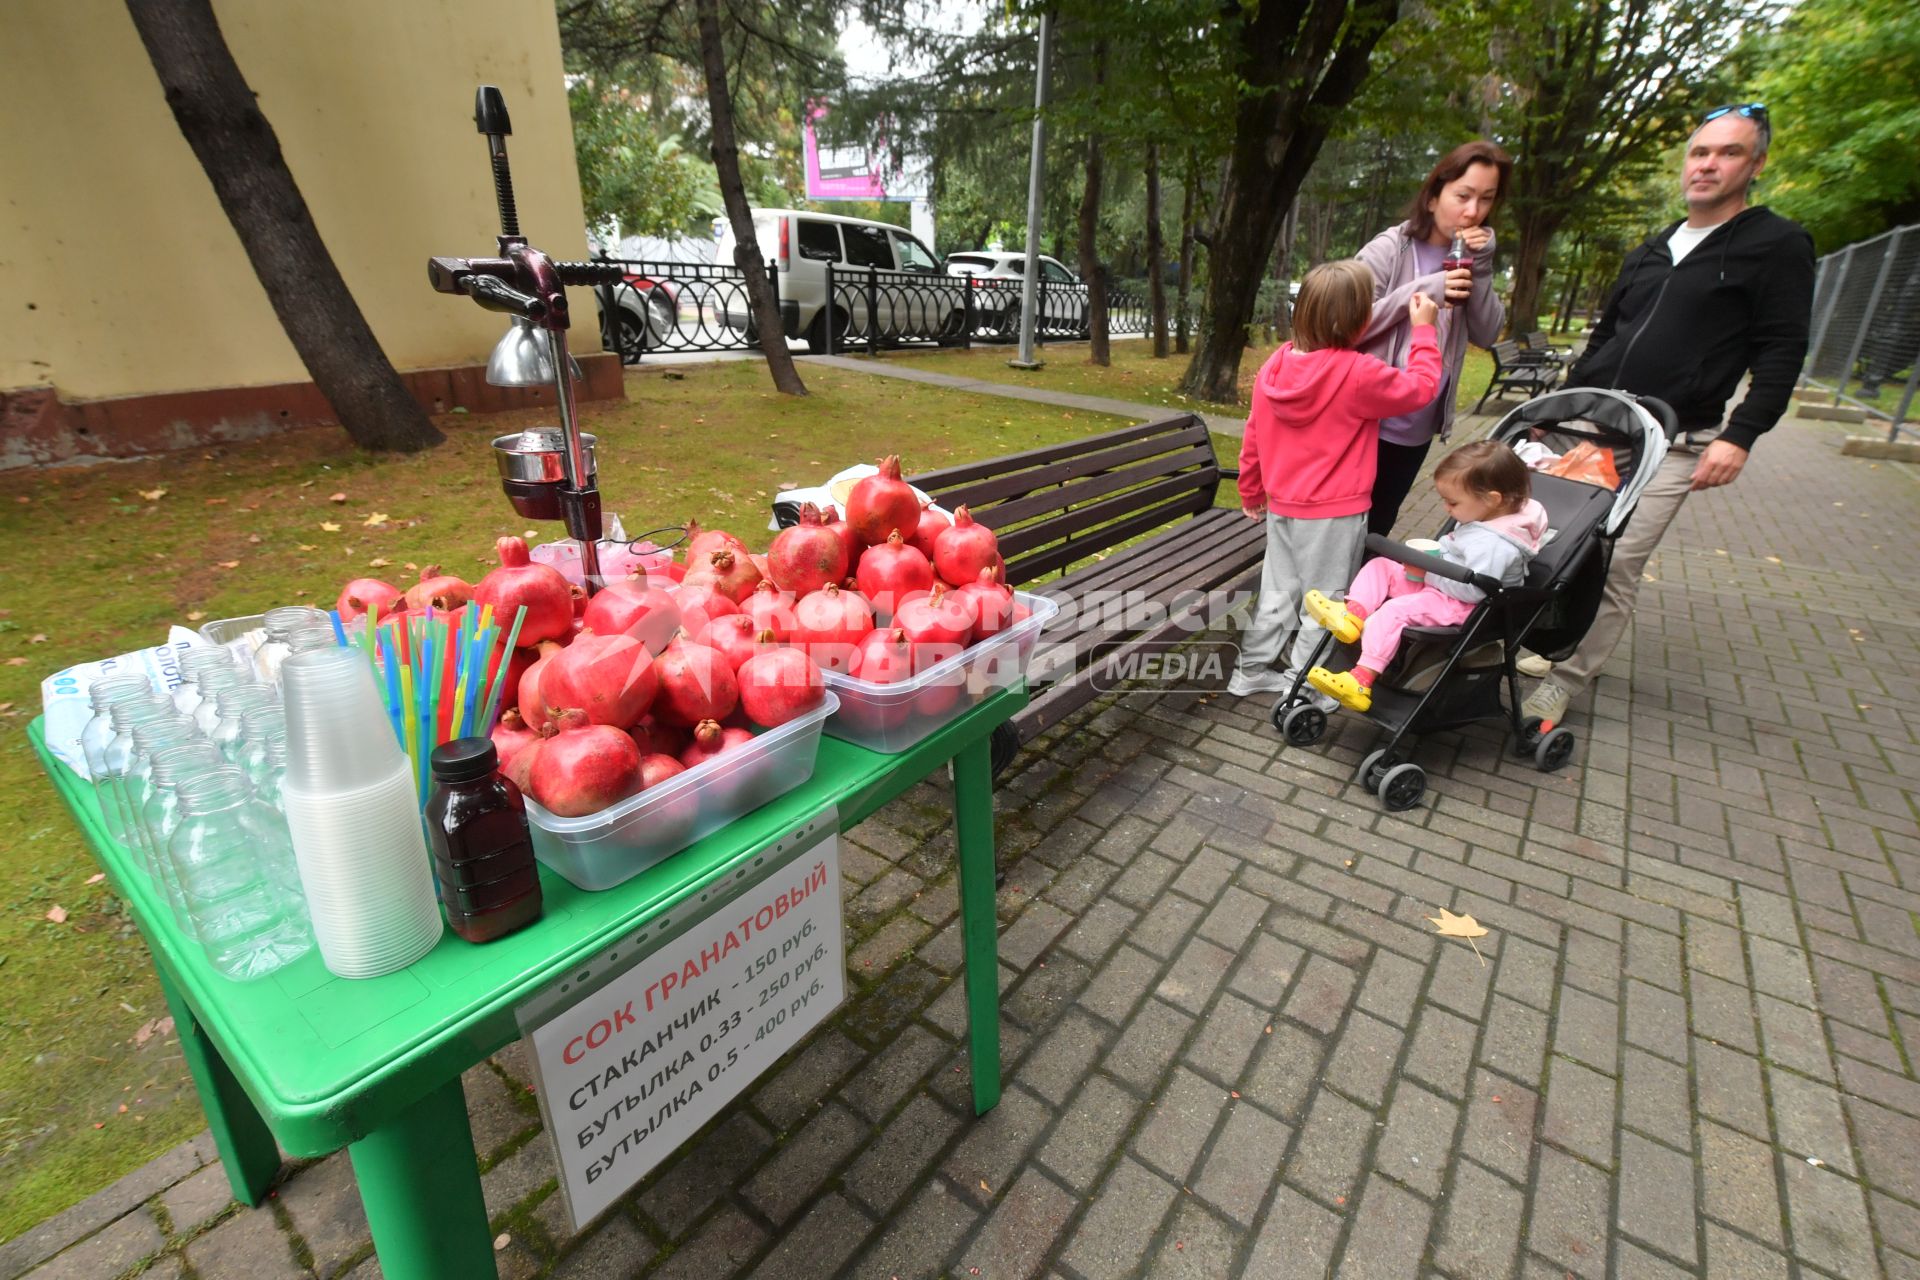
(1635, 428)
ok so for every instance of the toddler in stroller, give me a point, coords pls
(1498, 528)
(1455, 666)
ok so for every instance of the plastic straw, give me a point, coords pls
(391, 670)
(412, 724)
(339, 632)
(500, 675)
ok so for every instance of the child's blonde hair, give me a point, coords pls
(1487, 466)
(1336, 301)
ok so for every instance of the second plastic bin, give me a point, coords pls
(602, 849)
(890, 718)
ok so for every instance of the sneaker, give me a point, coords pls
(1342, 688)
(1532, 664)
(1547, 704)
(1332, 614)
(1245, 683)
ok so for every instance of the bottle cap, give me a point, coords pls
(464, 760)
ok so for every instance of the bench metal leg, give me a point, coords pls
(973, 831)
(421, 1190)
(247, 1147)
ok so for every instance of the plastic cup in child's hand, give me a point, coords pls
(1428, 545)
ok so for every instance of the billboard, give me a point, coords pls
(857, 171)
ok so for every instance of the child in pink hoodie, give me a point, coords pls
(1498, 529)
(1307, 460)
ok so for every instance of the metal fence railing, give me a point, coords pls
(1866, 327)
(661, 306)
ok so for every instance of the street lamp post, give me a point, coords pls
(1029, 285)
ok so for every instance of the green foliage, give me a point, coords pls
(1841, 80)
(632, 174)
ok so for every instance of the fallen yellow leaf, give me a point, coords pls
(153, 495)
(336, 497)
(378, 562)
(308, 546)
(1775, 560)
(227, 564)
(196, 615)
(1450, 925)
(328, 526)
(377, 518)
(58, 914)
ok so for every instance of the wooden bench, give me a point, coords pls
(1058, 508)
(1516, 369)
(1541, 347)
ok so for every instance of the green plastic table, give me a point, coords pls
(319, 1063)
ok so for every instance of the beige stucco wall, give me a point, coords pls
(123, 277)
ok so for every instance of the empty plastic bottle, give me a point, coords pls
(195, 663)
(99, 730)
(149, 737)
(232, 703)
(161, 813)
(117, 757)
(229, 854)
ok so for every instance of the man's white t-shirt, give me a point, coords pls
(1685, 237)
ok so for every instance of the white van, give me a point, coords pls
(800, 243)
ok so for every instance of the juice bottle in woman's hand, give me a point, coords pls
(1459, 258)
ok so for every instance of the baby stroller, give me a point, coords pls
(1443, 677)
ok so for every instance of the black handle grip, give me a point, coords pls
(498, 295)
(1439, 566)
(589, 273)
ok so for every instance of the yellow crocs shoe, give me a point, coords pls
(1332, 614)
(1342, 688)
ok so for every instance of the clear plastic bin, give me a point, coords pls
(602, 849)
(890, 718)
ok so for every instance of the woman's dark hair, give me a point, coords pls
(1451, 167)
(1487, 466)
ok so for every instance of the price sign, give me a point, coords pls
(641, 1047)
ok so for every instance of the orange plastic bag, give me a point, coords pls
(1586, 463)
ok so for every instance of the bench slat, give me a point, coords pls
(979, 498)
(1060, 555)
(1194, 467)
(1080, 519)
(948, 478)
(1206, 524)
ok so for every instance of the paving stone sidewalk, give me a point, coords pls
(1234, 1045)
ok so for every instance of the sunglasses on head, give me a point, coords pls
(1755, 111)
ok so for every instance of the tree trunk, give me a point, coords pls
(733, 193)
(1156, 252)
(1536, 228)
(236, 145)
(1182, 312)
(1302, 63)
(1092, 274)
(1283, 273)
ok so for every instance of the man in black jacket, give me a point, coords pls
(1704, 302)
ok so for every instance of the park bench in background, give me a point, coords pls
(1515, 369)
(1541, 347)
(1056, 508)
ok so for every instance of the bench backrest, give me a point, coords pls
(1507, 353)
(1057, 505)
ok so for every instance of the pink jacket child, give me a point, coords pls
(1499, 532)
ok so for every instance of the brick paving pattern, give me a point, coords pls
(1233, 1043)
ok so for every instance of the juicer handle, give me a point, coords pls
(498, 295)
(490, 118)
(589, 273)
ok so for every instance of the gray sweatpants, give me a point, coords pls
(1302, 555)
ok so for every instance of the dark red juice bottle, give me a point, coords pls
(482, 850)
(1458, 259)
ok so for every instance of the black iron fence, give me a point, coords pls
(1865, 341)
(661, 307)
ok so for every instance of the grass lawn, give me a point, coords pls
(97, 568)
(1135, 374)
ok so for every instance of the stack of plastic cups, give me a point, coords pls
(355, 816)
(161, 813)
(117, 757)
(150, 737)
(99, 730)
(195, 663)
(229, 855)
(230, 705)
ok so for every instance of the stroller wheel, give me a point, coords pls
(1368, 774)
(1555, 749)
(1401, 787)
(1301, 725)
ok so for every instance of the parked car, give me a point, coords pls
(800, 244)
(648, 312)
(1062, 305)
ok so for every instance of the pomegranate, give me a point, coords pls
(702, 543)
(664, 738)
(695, 684)
(961, 552)
(532, 699)
(885, 656)
(585, 770)
(939, 692)
(891, 571)
(771, 610)
(518, 769)
(733, 636)
(831, 519)
(539, 588)
(442, 591)
(511, 736)
(710, 740)
(937, 619)
(609, 677)
(779, 683)
(656, 768)
(807, 556)
(699, 604)
(673, 572)
(883, 504)
(631, 608)
(992, 605)
(828, 623)
(732, 574)
(931, 523)
(364, 594)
